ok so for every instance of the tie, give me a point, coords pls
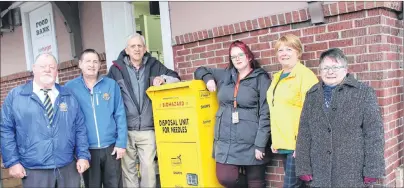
(48, 105)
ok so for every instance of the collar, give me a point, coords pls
(144, 60)
(37, 89)
(28, 89)
(295, 70)
(349, 80)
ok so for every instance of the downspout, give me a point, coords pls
(12, 6)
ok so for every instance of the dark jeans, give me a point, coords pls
(105, 171)
(230, 177)
(66, 177)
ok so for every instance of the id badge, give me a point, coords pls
(234, 117)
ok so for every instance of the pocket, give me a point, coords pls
(218, 118)
(246, 131)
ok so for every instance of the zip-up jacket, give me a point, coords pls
(139, 119)
(286, 98)
(26, 137)
(104, 112)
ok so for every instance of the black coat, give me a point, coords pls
(236, 143)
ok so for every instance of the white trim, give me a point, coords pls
(166, 34)
(25, 9)
(118, 23)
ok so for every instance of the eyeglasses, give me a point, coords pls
(333, 68)
(240, 55)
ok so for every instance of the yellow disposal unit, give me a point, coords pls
(184, 119)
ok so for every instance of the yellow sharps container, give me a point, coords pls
(184, 119)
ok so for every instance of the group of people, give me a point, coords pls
(329, 132)
(95, 126)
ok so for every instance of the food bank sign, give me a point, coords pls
(39, 30)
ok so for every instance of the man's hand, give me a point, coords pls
(119, 152)
(158, 81)
(211, 85)
(259, 155)
(17, 171)
(82, 165)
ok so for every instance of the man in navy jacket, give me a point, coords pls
(101, 102)
(43, 131)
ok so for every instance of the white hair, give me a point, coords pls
(135, 35)
(45, 54)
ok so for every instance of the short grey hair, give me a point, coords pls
(135, 35)
(336, 54)
(45, 54)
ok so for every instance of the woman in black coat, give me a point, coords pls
(242, 120)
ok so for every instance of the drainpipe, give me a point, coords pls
(12, 6)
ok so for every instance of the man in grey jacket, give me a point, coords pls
(135, 70)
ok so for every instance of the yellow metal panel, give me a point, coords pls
(184, 118)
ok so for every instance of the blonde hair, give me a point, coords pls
(292, 41)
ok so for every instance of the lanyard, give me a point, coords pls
(236, 90)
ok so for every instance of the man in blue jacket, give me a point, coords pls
(43, 131)
(100, 100)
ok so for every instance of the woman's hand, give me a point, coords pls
(259, 155)
(211, 85)
(274, 150)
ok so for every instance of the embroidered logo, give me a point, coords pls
(63, 107)
(106, 96)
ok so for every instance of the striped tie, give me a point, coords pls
(48, 105)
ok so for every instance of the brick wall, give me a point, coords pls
(67, 71)
(368, 32)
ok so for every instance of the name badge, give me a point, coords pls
(234, 117)
(63, 107)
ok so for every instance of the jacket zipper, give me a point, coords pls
(95, 118)
(273, 93)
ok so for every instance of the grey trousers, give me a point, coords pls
(66, 177)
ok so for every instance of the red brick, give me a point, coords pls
(303, 15)
(249, 25)
(333, 9)
(198, 63)
(222, 65)
(354, 50)
(280, 28)
(261, 22)
(177, 60)
(191, 57)
(352, 16)
(327, 36)
(222, 39)
(392, 56)
(315, 47)
(360, 5)
(267, 21)
(368, 21)
(308, 39)
(350, 6)
(326, 10)
(267, 38)
(221, 52)
(240, 36)
(231, 29)
(259, 32)
(186, 38)
(191, 45)
(394, 40)
(199, 49)
(342, 8)
(368, 40)
(314, 30)
(200, 35)
(195, 34)
(333, 19)
(215, 60)
(205, 42)
(281, 19)
(288, 17)
(260, 46)
(265, 61)
(207, 54)
(243, 26)
(184, 65)
(297, 33)
(369, 4)
(369, 57)
(341, 43)
(296, 16)
(274, 177)
(226, 45)
(358, 67)
(205, 34)
(274, 20)
(308, 56)
(221, 30)
(237, 28)
(250, 40)
(187, 77)
(353, 33)
(255, 24)
(379, 48)
(226, 29)
(340, 26)
(375, 66)
(268, 53)
(183, 52)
